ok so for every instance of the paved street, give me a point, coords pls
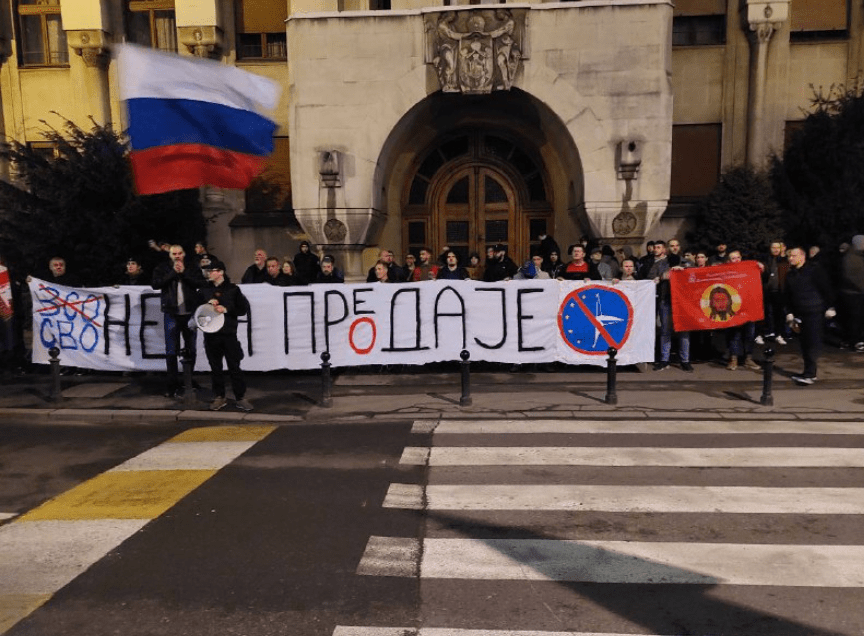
(438, 527)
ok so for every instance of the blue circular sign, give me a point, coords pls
(594, 318)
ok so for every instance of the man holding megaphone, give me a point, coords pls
(223, 299)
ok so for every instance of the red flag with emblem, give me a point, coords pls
(716, 297)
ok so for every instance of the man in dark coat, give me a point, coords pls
(809, 300)
(227, 299)
(177, 280)
(257, 271)
(502, 266)
(306, 263)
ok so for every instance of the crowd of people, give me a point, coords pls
(799, 294)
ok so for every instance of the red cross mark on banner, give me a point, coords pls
(590, 331)
(73, 305)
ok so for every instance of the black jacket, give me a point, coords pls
(166, 280)
(231, 298)
(254, 275)
(307, 266)
(499, 270)
(808, 290)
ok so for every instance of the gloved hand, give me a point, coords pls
(830, 312)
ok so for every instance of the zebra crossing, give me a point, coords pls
(554, 527)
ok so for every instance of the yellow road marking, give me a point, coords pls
(14, 607)
(224, 434)
(140, 494)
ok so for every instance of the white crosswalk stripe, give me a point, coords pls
(732, 499)
(493, 511)
(670, 456)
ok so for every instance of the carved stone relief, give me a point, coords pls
(476, 52)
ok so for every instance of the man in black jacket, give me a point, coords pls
(809, 300)
(228, 300)
(306, 263)
(501, 268)
(177, 280)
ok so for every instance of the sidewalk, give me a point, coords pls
(363, 394)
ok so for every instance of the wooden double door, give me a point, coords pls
(476, 207)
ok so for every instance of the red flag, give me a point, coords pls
(716, 297)
(5, 295)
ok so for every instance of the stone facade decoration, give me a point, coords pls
(476, 52)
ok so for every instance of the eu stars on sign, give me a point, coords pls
(593, 318)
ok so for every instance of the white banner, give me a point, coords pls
(120, 328)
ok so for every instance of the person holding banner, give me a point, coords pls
(226, 299)
(659, 273)
(809, 300)
(741, 339)
(178, 281)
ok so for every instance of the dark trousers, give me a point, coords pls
(174, 327)
(740, 339)
(225, 345)
(811, 341)
(774, 323)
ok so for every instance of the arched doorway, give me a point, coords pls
(474, 189)
(476, 206)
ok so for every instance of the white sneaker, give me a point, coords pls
(780, 340)
(759, 340)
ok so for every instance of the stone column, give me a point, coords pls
(763, 18)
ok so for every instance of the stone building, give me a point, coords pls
(405, 123)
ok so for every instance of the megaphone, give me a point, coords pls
(207, 319)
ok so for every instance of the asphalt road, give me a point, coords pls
(359, 529)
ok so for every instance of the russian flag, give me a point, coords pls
(194, 122)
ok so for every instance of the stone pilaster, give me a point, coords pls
(91, 46)
(764, 18)
(201, 41)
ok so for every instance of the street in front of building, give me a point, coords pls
(616, 525)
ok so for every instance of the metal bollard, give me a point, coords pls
(326, 398)
(465, 399)
(188, 389)
(611, 376)
(767, 398)
(55, 392)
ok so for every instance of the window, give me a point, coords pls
(271, 191)
(43, 40)
(699, 23)
(818, 20)
(152, 23)
(261, 29)
(379, 5)
(45, 149)
(791, 129)
(695, 160)
(698, 30)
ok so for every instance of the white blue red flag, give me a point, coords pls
(194, 122)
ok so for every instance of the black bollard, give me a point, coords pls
(767, 398)
(611, 376)
(188, 388)
(326, 398)
(465, 399)
(54, 393)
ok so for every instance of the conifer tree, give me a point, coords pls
(740, 211)
(80, 204)
(819, 180)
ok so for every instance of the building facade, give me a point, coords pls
(406, 123)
